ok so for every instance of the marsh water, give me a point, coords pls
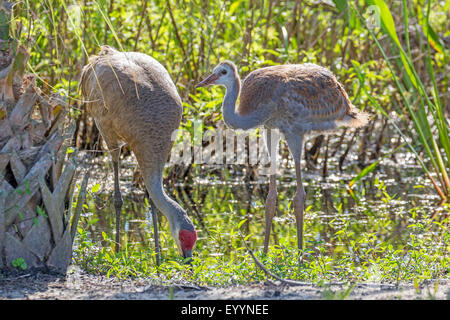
(226, 200)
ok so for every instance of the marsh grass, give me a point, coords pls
(422, 104)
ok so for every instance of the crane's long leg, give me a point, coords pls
(299, 204)
(112, 141)
(155, 231)
(271, 206)
(118, 202)
(272, 140)
(295, 146)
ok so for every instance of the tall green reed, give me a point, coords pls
(423, 105)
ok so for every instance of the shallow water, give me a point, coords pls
(384, 203)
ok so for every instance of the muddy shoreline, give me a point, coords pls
(79, 285)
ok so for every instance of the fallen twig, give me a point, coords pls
(266, 271)
(380, 286)
(16, 278)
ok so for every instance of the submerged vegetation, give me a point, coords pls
(377, 198)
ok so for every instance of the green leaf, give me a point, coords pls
(388, 25)
(273, 52)
(234, 6)
(27, 187)
(95, 188)
(433, 38)
(341, 5)
(364, 173)
(19, 263)
(41, 212)
(241, 223)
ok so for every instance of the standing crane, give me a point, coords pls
(296, 99)
(133, 100)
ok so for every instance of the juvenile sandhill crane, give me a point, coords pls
(133, 100)
(295, 99)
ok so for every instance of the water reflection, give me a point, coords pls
(218, 199)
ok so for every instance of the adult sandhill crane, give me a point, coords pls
(296, 99)
(133, 100)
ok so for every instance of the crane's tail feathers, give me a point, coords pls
(105, 50)
(356, 118)
(83, 84)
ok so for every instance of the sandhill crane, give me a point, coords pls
(133, 100)
(296, 99)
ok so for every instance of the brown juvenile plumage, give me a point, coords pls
(315, 87)
(295, 99)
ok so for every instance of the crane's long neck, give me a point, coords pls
(232, 118)
(177, 217)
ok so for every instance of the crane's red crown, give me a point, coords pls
(187, 239)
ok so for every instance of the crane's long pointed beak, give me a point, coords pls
(209, 80)
(187, 255)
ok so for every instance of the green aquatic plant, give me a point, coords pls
(388, 240)
(420, 102)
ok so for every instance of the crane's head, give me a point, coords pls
(184, 233)
(186, 239)
(225, 73)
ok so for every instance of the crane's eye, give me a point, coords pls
(224, 72)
